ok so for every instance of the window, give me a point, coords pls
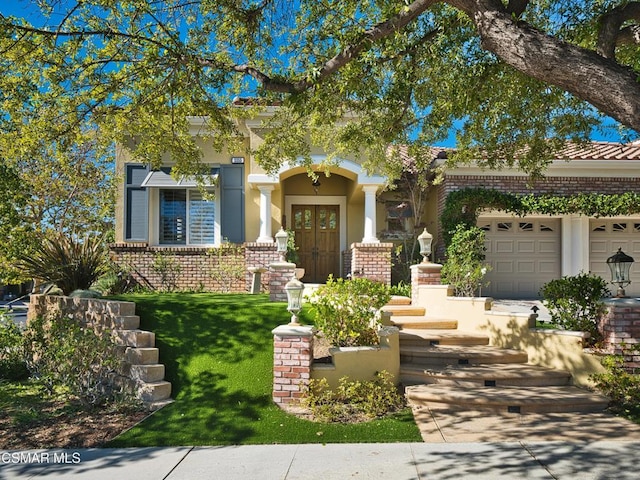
(186, 218)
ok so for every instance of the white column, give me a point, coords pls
(265, 214)
(575, 244)
(370, 214)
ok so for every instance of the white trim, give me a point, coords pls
(341, 201)
(154, 219)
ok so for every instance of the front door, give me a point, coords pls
(317, 235)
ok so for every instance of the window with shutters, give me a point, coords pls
(187, 218)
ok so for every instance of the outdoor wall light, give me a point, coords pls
(294, 289)
(281, 243)
(425, 239)
(619, 264)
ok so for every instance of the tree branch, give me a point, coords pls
(610, 34)
(408, 15)
(611, 88)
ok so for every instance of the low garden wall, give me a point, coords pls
(362, 363)
(140, 357)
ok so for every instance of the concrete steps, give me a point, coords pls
(421, 322)
(418, 337)
(448, 355)
(557, 399)
(444, 368)
(494, 375)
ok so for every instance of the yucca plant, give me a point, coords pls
(68, 263)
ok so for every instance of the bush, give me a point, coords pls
(12, 360)
(84, 363)
(575, 302)
(353, 401)
(401, 288)
(621, 386)
(465, 269)
(67, 263)
(169, 270)
(348, 311)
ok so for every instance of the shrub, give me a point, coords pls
(68, 263)
(81, 361)
(575, 302)
(401, 288)
(12, 359)
(621, 386)
(228, 270)
(348, 311)
(465, 269)
(169, 270)
(353, 401)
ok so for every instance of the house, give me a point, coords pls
(168, 234)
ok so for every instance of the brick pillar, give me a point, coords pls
(280, 274)
(259, 255)
(426, 273)
(292, 358)
(620, 326)
(372, 261)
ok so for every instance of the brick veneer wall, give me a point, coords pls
(222, 269)
(372, 261)
(261, 255)
(620, 328)
(292, 358)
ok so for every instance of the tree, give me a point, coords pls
(63, 191)
(522, 77)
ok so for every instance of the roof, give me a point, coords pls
(601, 151)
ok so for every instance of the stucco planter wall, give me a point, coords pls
(362, 363)
(559, 349)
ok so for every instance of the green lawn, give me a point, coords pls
(218, 351)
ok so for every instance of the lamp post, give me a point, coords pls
(294, 289)
(281, 243)
(425, 239)
(619, 264)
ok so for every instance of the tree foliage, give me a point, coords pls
(516, 78)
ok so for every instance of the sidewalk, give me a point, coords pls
(402, 461)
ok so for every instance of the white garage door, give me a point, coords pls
(524, 254)
(606, 237)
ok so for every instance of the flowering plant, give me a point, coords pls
(348, 311)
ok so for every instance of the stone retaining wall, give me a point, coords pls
(140, 362)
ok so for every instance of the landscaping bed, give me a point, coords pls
(29, 420)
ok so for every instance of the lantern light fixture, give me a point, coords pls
(425, 239)
(281, 243)
(620, 264)
(294, 289)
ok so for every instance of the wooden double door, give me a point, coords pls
(317, 235)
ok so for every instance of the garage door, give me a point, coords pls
(524, 254)
(606, 237)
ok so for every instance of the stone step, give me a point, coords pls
(147, 373)
(425, 337)
(134, 338)
(420, 322)
(496, 375)
(404, 310)
(443, 355)
(127, 322)
(399, 300)
(150, 392)
(142, 356)
(507, 399)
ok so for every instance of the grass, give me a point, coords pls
(218, 352)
